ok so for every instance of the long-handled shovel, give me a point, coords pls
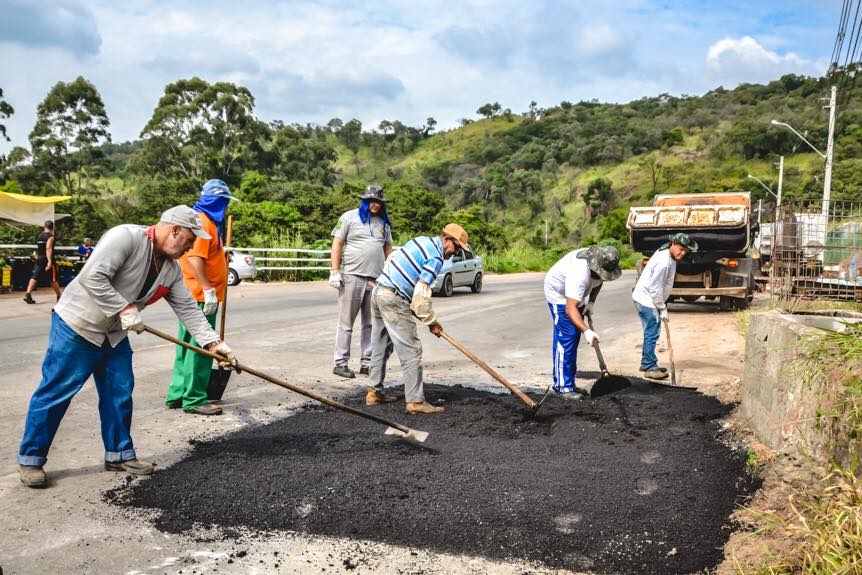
(607, 383)
(490, 371)
(220, 376)
(670, 349)
(392, 428)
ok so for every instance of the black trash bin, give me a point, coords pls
(22, 270)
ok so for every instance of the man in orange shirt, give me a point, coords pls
(205, 274)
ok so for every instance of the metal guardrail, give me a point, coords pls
(278, 258)
(323, 257)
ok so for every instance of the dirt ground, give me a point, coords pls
(71, 528)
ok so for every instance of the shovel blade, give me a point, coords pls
(217, 384)
(410, 434)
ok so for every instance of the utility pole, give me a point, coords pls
(759, 211)
(780, 177)
(827, 178)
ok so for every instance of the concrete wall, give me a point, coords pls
(776, 402)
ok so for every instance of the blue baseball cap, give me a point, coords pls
(217, 188)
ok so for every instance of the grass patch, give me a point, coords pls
(824, 525)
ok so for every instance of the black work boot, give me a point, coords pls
(343, 371)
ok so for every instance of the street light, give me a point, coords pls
(767, 188)
(827, 173)
(801, 137)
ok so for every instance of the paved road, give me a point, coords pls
(284, 329)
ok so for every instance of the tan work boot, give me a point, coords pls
(205, 409)
(133, 466)
(374, 397)
(424, 407)
(32, 476)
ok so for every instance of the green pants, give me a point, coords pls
(191, 375)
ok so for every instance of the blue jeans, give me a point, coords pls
(651, 320)
(69, 362)
(565, 349)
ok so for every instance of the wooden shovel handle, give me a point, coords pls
(279, 382)
(670, 350)
(489, 370)
(227, 242)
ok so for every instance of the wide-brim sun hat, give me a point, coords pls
(458, 234)
(373, 193)
(685, 241)
(603, 260)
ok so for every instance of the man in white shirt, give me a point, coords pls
(650, 294)
(571, 288)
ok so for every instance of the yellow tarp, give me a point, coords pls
(28, 210)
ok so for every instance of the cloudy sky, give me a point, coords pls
(309, 61)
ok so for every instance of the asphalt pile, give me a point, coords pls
(635, 481)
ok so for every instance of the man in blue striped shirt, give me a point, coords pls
(404, 291)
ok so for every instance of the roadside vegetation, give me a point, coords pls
(814, 524)
(527, 186)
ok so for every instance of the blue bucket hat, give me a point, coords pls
(217, 188)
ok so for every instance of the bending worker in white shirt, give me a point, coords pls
(650, 294)
(571, 288)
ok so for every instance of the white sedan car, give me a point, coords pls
(464, 268)
(240, 267)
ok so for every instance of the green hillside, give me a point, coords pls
(571, 170)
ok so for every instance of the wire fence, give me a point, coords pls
(817, 251)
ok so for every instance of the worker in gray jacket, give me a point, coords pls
(131, 268)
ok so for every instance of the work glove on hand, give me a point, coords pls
(420, 305)
(335, 279)
(588, 309)
(210, 301)
(662, 314)
(223, 349)
(130, 319)
(592, 337)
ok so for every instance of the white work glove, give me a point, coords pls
(335, 279)
(223, 349)
(420, 305)
(662, 314)
(130, 319)
(588, 309)
(592, 337)
(210, 301)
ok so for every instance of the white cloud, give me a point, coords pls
(745, 60)
(310, 60)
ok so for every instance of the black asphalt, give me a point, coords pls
(636, 481)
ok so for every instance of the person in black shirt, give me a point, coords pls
(46, 264)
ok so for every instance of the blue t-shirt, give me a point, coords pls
(419, 259)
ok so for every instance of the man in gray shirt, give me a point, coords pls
(363, 239)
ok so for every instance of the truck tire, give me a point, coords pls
(726, 303)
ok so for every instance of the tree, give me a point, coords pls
(334, 125)
(598, 197)
(198, 130)
(351, 136)
(5, 111)
(653, 166)
(70, 122)
(489, 110)
(429, 126)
